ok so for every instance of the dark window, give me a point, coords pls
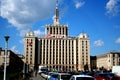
(113, 55)
(84, 78)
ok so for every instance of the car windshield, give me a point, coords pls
(54, 75)
(84, 78)
(65, 77)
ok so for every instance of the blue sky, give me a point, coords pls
(99, 19)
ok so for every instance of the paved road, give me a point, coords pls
(37, 77)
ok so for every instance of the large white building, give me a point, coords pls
(57, 50)
(108, 60)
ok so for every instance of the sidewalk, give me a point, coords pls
(37, 77)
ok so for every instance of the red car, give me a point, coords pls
(115, 78)
(104, 76)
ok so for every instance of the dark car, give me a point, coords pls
(64, 76)
(104, 76)
(54, 76)
(115, 78)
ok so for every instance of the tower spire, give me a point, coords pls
(56, 18)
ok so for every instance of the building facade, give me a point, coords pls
(14, 62)
(2, 57)
(108, 60)
(57, 50)
(93, 63)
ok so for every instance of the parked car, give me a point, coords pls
(82, 77)
(104, 76)
(91, 74)
(45, 75)
(64, 76)
(115, 78)
(53, 76)
(60, 76)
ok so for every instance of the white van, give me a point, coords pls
(42, 69)
(116, 70)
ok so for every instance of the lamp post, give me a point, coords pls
(23, 67)
(6, 39)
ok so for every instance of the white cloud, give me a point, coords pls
(53, 17)
(98, 43)
(15, 50)
(39, 33)
(23, 13)
(118, 41)
(113, 7)
(79, 4)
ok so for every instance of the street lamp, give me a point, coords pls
(6, 39)
(23, 67)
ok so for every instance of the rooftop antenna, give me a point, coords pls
(57, 3)
(56, 19)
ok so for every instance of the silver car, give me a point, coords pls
(82, 77)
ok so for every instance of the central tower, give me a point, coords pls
(56, 29)
(56, 18)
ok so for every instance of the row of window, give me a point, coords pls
(56, 62)
(28, 60)
(59, 42)
(61, 66)
(115, 55)
(56, 30)
(84, 42)
(29, 40)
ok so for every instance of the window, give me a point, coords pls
(82, 49)
(82, 42)
(86, 42)
(113, 63)
(86, 56)
(113, 55)
(50, 30)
